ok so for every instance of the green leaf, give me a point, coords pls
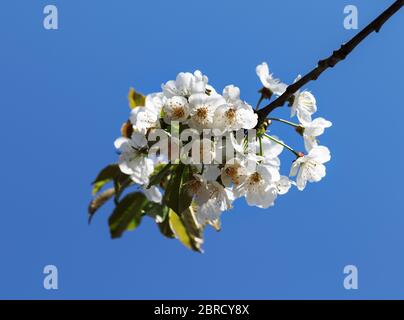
(156, 211)
(120, 185)
(107, 174)
(159, 173)
(136, 99)
(176, 197)
(127, 214)
(191, 224)
(159, 213)
(186, 229)
(165, 228)
(179, 229)
(99, 201)
(185, 199)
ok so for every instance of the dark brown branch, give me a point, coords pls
(331, 61)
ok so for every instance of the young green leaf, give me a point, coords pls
(179, 230)
(156, 211)
(109, 173)
(127, 214)
(136, 99)
(99, 201)
(185, 232)
(120, 185)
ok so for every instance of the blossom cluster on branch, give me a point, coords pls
(190, 151)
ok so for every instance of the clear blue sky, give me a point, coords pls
(63, 99)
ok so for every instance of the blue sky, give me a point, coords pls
(63, 99)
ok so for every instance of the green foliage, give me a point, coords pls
(165, 228)
(156, 211)
(176, 196)
(109, 173)
(136, 99)
(99, 201)
(175, 216)
(127, 214)
(185, 230)
(160, 172)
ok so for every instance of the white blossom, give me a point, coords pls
(271, 151)
(304, 105)
(235, 114)
(185, 84)
(233, 172)
(212, 199)
(144, 118)
(176, 109)
(199, 151)
(133, 158)
(166, 149)
(283, 185)
(258, 188)
(311, 166)
(268, 81)
(314, 129)
(254, 168)
(202, 110)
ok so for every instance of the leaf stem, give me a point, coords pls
(297, 154)
(260, 139)
(286, 122)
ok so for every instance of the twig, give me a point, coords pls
(331, 61)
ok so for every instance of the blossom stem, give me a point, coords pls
(286, 121)
(260, 138)
(297, 154)
(331, 61)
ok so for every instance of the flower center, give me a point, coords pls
(232, 172)
(202, 113)
(178, 112)
(194, 186)
(231, 115)
(255, 178)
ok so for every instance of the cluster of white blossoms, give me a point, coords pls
(215, 135)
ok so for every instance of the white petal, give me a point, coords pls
(295, 168)
(211, 172)
(316, 127)
(246, 116)
(301, 181)
(139, 140)
(153, 194)
(121, 142)
(283, 185)
(320, 154)
(271, 149)
(262, 71)
(270, 173)
(231, 93)
(318, 173)
(309, 142)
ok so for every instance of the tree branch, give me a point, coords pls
(331, 61)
